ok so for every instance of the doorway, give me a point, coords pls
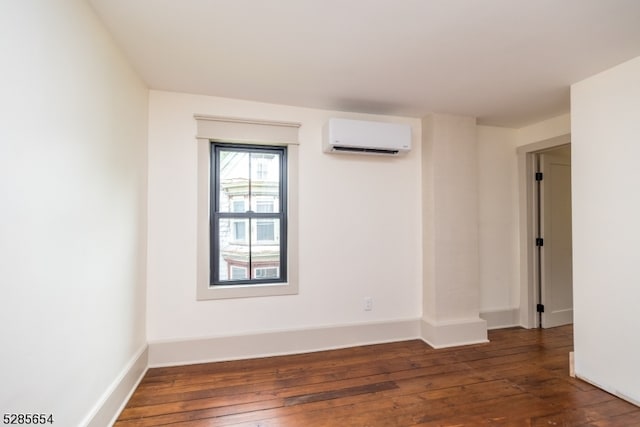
(553, 270)
(546, 288)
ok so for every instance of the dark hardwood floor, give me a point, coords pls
(521, 378)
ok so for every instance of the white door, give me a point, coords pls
(556, 254)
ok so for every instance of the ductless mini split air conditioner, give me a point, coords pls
(366, 137)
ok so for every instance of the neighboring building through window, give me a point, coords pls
(248, 214)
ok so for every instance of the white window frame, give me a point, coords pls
(245, 131)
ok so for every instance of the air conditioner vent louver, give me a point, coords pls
(365, 150)
(366, 137)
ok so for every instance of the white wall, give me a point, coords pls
(498, 219)
(502, 216)
(72, 211)
(359, 229)
(606, 231)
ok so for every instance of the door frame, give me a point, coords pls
(527, 205)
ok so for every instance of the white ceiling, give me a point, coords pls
(506, 62)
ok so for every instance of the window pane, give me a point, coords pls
(233, 241)
(233, 167)
(236, 253)
(265, 184)
(246, 239)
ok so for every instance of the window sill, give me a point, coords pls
(246, 291)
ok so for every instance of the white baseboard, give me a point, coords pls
(454, 333)
(274, 343)
(113, 401)
(497, 319)
(609, 390)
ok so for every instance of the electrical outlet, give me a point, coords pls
(368, 303)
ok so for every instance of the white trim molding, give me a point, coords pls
(275, 343)
(497, 319)
(454, 333)
(115, 398)
(254, 131)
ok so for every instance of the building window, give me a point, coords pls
(265, 231)
(238, 205)
(238, 273)
(245, 208)
(240, 231)
(255, 174)
(261, 170)
(265, 273)
(264, 205)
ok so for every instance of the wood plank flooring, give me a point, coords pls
(520, 378)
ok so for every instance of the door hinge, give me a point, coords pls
(539, 241)
(539, 176)
(540, 308)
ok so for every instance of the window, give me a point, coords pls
(261, 171)
(239, 231)
(257, 174)
(238, 273)
(238, 205)
(265, 230)
(264, 205)
(267, 272)
(247, 222)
